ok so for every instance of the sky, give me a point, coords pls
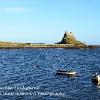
(45, 21)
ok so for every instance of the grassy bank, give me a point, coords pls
(8, 45)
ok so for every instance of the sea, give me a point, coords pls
(30, 74)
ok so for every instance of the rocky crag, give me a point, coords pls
(69, 38)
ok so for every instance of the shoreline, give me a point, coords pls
(66, 46)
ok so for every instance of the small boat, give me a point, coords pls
(68, 73)
(96, 78)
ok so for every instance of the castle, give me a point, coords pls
(69, 38)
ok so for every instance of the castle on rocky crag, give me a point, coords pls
(69, 38)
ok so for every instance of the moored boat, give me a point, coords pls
(96, 78)
(68, 73)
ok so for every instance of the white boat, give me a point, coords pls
(96, 78)
(68, 73)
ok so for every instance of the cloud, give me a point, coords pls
(14, 10)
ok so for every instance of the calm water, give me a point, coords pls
(33, 71)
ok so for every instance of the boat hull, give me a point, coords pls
(96, 79)
(67, 73)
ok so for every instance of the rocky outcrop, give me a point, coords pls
(69, 38)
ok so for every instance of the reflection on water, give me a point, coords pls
(37, 67)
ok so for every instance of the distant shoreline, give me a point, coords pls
(68, 42)
(66, 46)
